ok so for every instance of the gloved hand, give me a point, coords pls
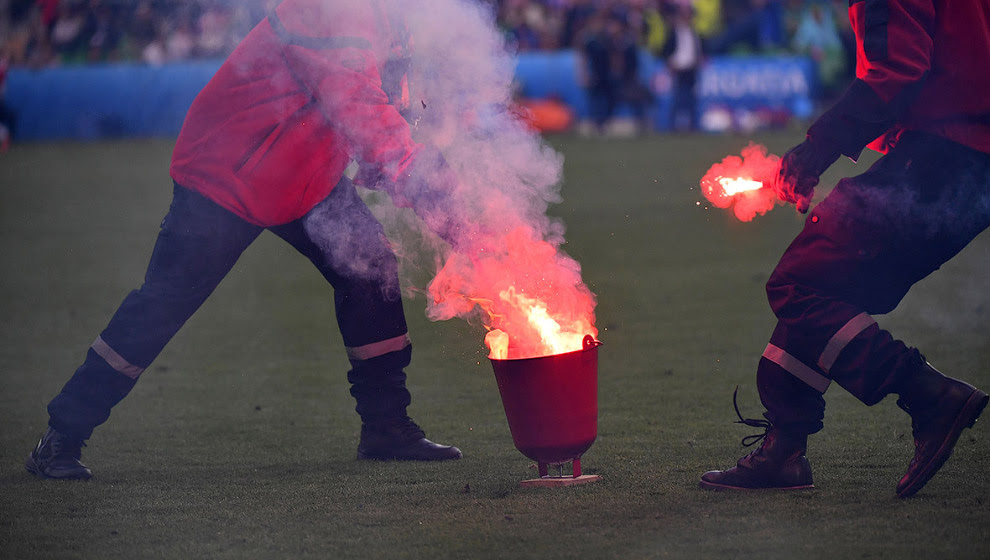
(428, 186)
(799, 171)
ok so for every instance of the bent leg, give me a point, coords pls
(859, 253)
(198, 244)
(348, 245)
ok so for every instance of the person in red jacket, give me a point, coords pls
(920, 97)
(264, 146)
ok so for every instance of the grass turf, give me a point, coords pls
(239, 442)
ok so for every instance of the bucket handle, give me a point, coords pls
(589, 342)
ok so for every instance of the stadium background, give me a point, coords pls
(239, 443)
(108, 68)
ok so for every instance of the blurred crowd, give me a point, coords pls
(818, 28)
(610, 35)
(40, 33)
(51, 32)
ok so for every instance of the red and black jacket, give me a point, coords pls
(301, 96)
(920, 65)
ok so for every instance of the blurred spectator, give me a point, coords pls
(103, 31)
(144, 36)
(180, 40)
(6, 116)
(214, 39)
(599, 84)
(67, 31)
(21, 32)
(49, 10)
(625, 54)
(522, 22)
(531, 25)
(818, 37)
(610, 69)
(755, 25)
(654, 30)
(576, 18)
(848, 40)
(707, 19)
(683, 55)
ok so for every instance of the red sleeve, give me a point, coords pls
(894, 43)
(332, 51)
(894, 49)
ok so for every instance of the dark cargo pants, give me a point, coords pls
(198, 244)
(872, 238)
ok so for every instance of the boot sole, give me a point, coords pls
(966, 419)
(363, 457)
(720, 487)
(32, 467)
(392, 457)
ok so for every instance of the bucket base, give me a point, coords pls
(552, 481)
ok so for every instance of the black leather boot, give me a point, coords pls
(941, 408)
(387, 433)
(58, 456)
(778, 463)
(400, 439)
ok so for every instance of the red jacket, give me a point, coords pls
(934, 53)
(272, 132)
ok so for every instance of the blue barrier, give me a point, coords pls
(783, 83)
(120, 100)
(129, 100)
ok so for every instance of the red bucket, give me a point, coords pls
(551, 403)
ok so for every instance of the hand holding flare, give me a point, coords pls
(746, 183)
(754, 183)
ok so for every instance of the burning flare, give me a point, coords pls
(530, 296)
(737, 185)
(743, 182)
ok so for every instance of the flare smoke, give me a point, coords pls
(461, 91)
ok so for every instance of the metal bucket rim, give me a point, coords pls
(588, 345)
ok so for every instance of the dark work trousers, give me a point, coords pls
(872, 238)
(198, 244)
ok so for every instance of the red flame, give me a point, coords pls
(530, 294)
(743, 182)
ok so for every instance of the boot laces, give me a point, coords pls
(62, 445)
(752, 439)
(406, 428)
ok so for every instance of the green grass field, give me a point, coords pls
(239, 442)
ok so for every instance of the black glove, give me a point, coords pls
(799, 171)
(430, 188)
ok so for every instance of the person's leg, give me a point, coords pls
(861, 250)
(7, 120)
(598, 108)
(683, 109)
(198, 244)
(691, 97)
(348, 246)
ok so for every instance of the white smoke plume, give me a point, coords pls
(461, 87)
(503, 260)
(461, 90)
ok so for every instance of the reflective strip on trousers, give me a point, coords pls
(375, 349)
(115, 360)
(842, 338)
(797, 368)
